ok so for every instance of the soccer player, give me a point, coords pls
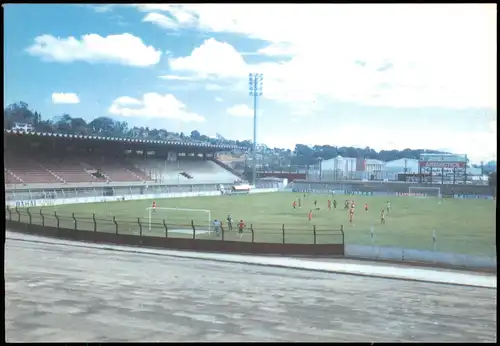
(351, 215)
(353, 205)
(366, 206)
(329, 205)
(346, 204)
(388, 207)
(153, 206)
(310, 215)
(294, 205)
(382, 217)
(217, 227)
(315, 203)
(229, 222)
(300, 202)
(241, 226)
(334, 204)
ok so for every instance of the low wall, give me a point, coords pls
(264, 190)
(201, 245)
(396, 187)
(102, 199)
(413, 255)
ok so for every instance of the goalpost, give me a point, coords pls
(422, 191)
(179, 216)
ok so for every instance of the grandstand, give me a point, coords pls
(51, 166)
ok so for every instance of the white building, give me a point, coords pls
(22, 127)
(338, 168)
(391, 169)
(372, 165)
(399, 166)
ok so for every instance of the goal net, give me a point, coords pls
(179, 220)
(419, 191)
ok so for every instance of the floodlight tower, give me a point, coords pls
(255, 90)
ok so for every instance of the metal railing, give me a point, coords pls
(255, 233)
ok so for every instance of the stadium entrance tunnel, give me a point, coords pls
(177, 241)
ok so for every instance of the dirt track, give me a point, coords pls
(62, 293)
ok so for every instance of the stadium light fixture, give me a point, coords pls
(255, 90)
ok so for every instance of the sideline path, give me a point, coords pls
(361, 268)
(64, 293)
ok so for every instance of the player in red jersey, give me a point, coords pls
(366, 206)
(310, 215)
(153, 206)
(241, 226)
(294, 205)
(329, 205)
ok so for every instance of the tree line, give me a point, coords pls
(20, 112)
(302, 154)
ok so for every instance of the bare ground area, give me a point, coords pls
(66, 293)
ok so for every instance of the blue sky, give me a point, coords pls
(361, 75)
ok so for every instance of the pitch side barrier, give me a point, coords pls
(103, 199)
(255, 239)
(393, 188)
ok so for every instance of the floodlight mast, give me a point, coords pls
(255, 90)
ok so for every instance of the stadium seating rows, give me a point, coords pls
(23, 169)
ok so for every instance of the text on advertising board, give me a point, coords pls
(442, 164)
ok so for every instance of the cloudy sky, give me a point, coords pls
(384, 76)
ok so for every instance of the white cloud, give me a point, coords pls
(102, 8)
(240, 111)
(154, 105)
(174, 21)
(178, 78)
(125, 49)
(441, 55)
(161, 20)
(276, 50)
(211, 59)
(219, 99)
(151, 7)
(70, 98)
(127, 101)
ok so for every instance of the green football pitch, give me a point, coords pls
(461, 225)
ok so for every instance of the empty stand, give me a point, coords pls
(74, 168)
(116, 170)
(28, 171)
(185, 171)
(159, 170)
(9, 178)
(70, 170)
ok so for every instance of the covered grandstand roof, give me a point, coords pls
(118, 139)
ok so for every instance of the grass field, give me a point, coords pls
(461, 225)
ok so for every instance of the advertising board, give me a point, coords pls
(441, 164)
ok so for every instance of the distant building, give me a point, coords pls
(490, 166)
(402, 166)
(338, 168)
(22, 127)
(392, 169)
(372, 165)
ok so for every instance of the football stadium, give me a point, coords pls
(181, 189)
(249, 173)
